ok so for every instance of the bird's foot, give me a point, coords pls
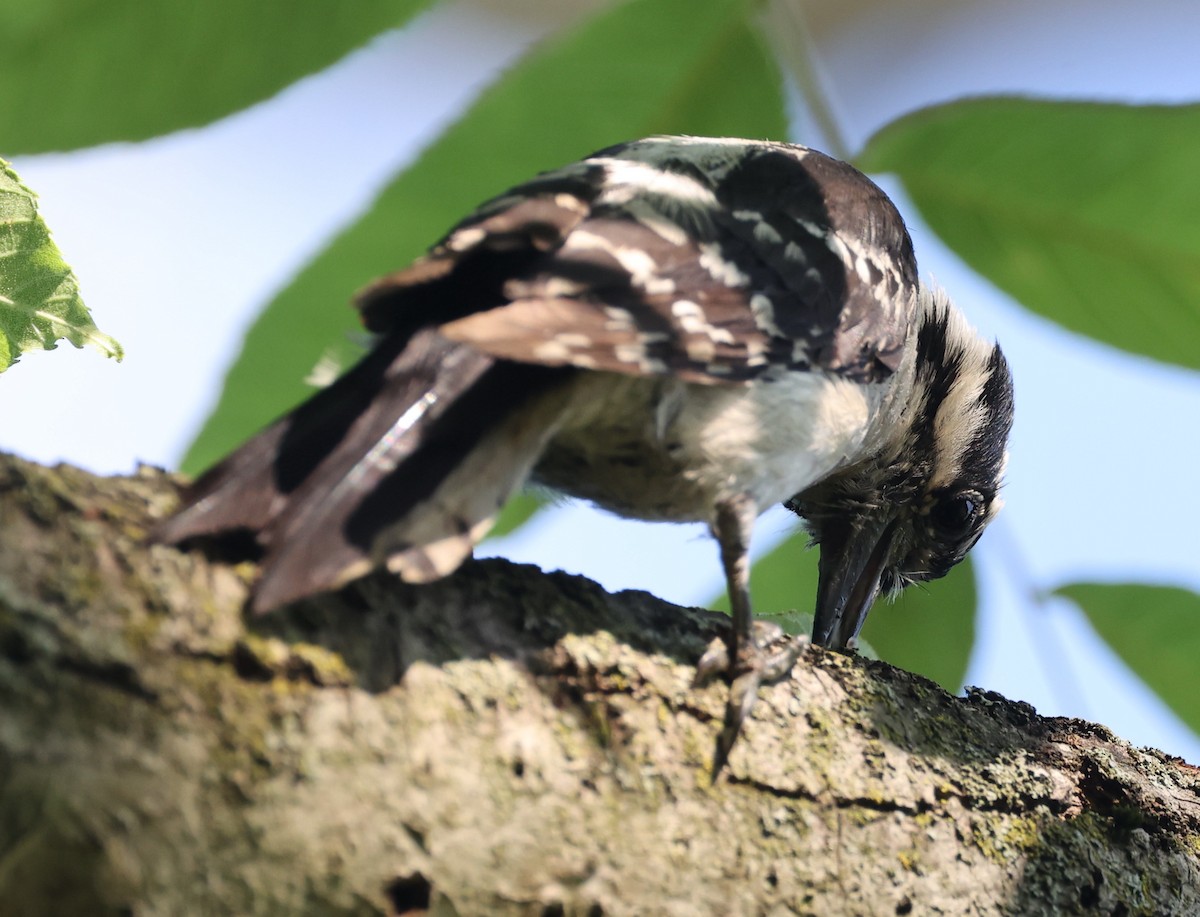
(767, 658)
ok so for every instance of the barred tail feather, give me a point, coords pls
(418, 480)
(245, 491)
(403, 461)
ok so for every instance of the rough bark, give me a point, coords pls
(507, 742)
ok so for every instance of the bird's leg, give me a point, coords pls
(732, 527)
(757, 652)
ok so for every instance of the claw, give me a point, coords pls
(743, 694)
(757, 652)
(714, 662)
(767, 659)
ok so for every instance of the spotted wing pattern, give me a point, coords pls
(708, 260)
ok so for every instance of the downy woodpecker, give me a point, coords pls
(676, 329)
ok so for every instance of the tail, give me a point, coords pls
(404, 461)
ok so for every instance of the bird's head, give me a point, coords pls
(912, 508)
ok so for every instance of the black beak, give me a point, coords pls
(854, 554)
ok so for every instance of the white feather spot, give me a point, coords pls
(764, 314)
(646, 214)
(653, 366)
(767, 234)
(701, 350)
(796, 253)
(466, 238)
(629, 353)
(636, 261)
(582, 240)
(813, 229)
(837, 245)
(552, 351)
(640, 266)
(721, 268)
(573, 339)
(326, 370)
(570, 202)
(559, 287)
(862, 269)
(618, 319)
(629, 179)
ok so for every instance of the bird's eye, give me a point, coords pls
(954, 513)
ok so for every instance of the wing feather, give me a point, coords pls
(715, 262)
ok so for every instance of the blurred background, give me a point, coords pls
(180, 240)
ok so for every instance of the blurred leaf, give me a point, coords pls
(1155, 630)
(127, 70)
(632, 71)
(930, 629)
(1086, 213)
(39, 295)
(517, 511)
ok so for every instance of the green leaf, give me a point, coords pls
(39, 295)
(1155, 630)
(517, 511)
(643, 67)
(75, 74)
(930, 628)
(1086, 213)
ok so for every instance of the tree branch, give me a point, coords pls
(507, 742)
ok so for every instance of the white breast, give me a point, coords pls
(773, 438)
(658, 448)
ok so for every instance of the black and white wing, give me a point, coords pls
(709, 260)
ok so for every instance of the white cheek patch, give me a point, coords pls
(958, 419)
(962, 413)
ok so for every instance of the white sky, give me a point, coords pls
(179, 241)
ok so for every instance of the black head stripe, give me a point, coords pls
(962, 405)
(937, 370)
(983, 459)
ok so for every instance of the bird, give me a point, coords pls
(676, 329)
